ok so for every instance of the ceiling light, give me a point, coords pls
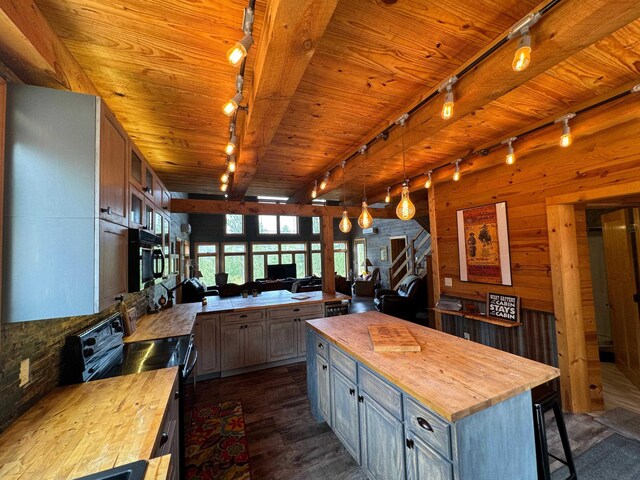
(447, 107)
(224, 187)
(269, 198)
(232, 105)
(325, 181)
(510, 159)
(456, 172)
(231, 145)
(224, 178)
(314, 192)
(405, 209)
(236, 53)
(231, 163)
(565, 138)
(365, 220)
(345, 223)
(522, 57)
(387, 199)
(429, 182)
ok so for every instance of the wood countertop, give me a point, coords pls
(451, 376)
(179, 319)
(158, 468)
(86, 428)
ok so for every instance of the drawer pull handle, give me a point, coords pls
(320, 345)
(360, 399)
(164, 438)
(352, 391)
(424, 424)
(409, 443)
(243, 316)
(324, 367)
(296, 309)
(106, 210)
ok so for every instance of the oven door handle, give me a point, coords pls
(188, 369)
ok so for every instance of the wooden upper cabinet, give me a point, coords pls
(137, 170)
(114, 157)
(148, 183)
(166, 201)
(158, 191)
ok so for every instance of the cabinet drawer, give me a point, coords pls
(322, 346)
(343, 362)
(243, 316)
(316, 310)
(429, 427)
(380, 391)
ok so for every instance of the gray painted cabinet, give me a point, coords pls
(393, 436)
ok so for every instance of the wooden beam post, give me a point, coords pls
(326, 244)
(435, 260)
(567, 299)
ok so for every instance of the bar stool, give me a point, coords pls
(547, 398)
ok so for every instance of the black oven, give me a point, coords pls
(146, 259)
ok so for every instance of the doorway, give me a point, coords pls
(398, 269)
(360, 247)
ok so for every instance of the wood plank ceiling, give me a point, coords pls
(161, 67)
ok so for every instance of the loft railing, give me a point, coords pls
(411, 260)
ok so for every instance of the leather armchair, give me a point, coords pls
(367, 288)
(410, 296)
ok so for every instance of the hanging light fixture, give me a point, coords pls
(429, 182)
(224, 178)
(405, 209)
(456, 172)
(345, 223)
(522, 58)
(387, 198)
(314, 192)
(224, 187)
(325, 181)
(232, 105)
(365, 220)
(565, 138)
(231, 144)
(447, 107)
(510, 159)
(239, 51)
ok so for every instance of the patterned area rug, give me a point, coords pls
(216, 446)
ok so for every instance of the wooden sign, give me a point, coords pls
(505, 307)
(392, 338)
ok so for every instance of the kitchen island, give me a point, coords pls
(454, 410)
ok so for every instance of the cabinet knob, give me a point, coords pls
(296, 309)
(409, 443)
(146, 189)
(243, 316)
(320, 345)
(424, 424)
(360, 399)
(106, 210)
(352, 391)
(119, 298)
(324, 367)
(176, 395)
(164, 438)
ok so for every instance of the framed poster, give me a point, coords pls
(383, 254)
(483, 244)
(504, 307)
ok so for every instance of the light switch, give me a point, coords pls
(448, 282)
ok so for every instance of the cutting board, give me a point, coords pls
(392, 338)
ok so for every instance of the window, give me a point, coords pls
(315, 225)
(340, 257)
(234, 224)
(274, 224)
(207, 262)
(234, 261)
(263, 254)
(316, 260)
(361, 255)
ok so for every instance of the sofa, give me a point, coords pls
(366, 287)
(406, 301)
(193, 290)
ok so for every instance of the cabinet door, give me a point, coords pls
(382, 441)
(166, 201)
(324, 398)
(208, 343)
(302, 335)
(148, 186)
(282, 339)
(113, 262)
(158, 191)
(136, 209)
(423, 463)
(232, 354)
(255, 343)
(114, 155)
(344, 411)
(136, 168)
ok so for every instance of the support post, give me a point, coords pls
(326, 244)
(435, 260)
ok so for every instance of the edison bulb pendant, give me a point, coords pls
(345, 223)
(365, 220)
(522, 58)
(405, 209)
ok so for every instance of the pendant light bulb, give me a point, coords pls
(565, 138)
(224, 178)
(365, 220)
(224, 187)
(405, 209)
(236, 53)
(345, 223)
(522, 58)
(429, 181)
(231, 145)
(387, 199)
(314, 192)
(232, 105)
(447, 108)
(511, 156)
(456, 172)
(231, 164)
(325, 181)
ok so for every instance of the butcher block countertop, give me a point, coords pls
(451, 376)
(87, 428)
(158, 468)
(179, 319)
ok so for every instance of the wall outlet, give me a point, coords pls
(466, 336)
(25, 372)
(448, 282)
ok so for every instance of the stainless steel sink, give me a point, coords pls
(130, 471)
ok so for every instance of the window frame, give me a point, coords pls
(223, 255)
(278, 226)
(225, 225)
(280, 252)
(197, 255)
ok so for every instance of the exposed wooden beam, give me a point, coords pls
(184, 205)
(35, 53)
(291, 32)
(326, 244)
(559, 35)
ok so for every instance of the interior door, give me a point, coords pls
(398, 244)
(360, 245)
(619, 251)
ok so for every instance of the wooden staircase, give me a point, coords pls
(412, 260)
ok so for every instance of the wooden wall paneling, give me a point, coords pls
(326, 244)
(291, 32)
(567, 299)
